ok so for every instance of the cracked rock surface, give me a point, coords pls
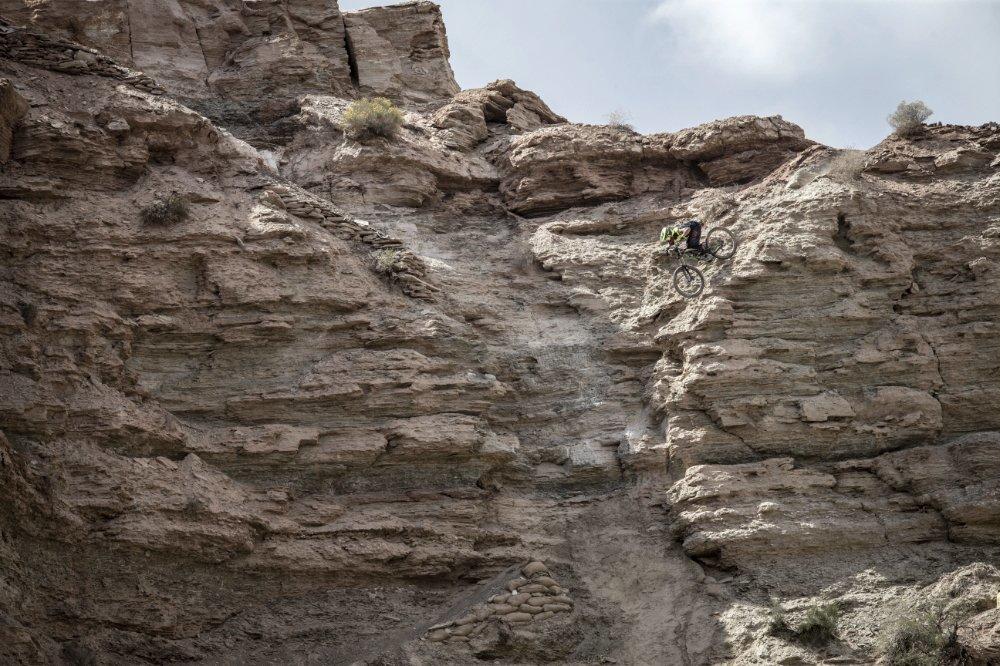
(435, 400)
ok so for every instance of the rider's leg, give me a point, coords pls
(694, 239)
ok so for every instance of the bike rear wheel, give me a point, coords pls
(688, 281)
(720, 243)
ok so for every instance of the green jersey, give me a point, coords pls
(670, 235)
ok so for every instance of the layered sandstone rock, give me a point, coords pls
(200, 49)
(245, 65)
(336, 408)
(451, 151)
(574, 165)
(571, 165)
(741, 149)
(401, 50)
(467, 117)
(261, 49)
(833, 376)
(411, 171)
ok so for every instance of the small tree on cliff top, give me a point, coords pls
(908, 117)
(619, 120)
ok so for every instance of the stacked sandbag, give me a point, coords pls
(533, 597)
(403, 267)
(301, 203)
(397, 263)
(38, 50)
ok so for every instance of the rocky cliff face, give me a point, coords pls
(246, 64)
(231, 440)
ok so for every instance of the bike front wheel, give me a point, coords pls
(720, 243)
(688, 281)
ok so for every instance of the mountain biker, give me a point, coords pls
(670, 236)
(690, 230)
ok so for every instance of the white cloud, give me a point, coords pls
(777, 41)
(836, 67)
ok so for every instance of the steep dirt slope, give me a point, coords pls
(231, 440)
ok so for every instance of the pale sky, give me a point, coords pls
(835, 67)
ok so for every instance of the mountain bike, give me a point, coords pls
(688, 280)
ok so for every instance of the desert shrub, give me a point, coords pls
(846, 166)
(777, 620)
(166, 210)
(371, 117)
(619, 120)
(819, 626)
(919, 640)
(383, 261)
(908, 117)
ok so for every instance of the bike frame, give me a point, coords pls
(681, 254)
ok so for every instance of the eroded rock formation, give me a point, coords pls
(329, 414)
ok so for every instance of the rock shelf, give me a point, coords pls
(38, 50)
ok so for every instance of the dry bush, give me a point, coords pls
(619, 120)
(383, 261)
(909, 117)
(819, 626)
(166, 210)
(847, 165)
(371, 117)
(919, 640)
(777, 620)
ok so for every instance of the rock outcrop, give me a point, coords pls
(739, 150)
(466, 118)
(401, 50)
(246, 65)
(330, 411)
(572, 165)
(197, 49)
